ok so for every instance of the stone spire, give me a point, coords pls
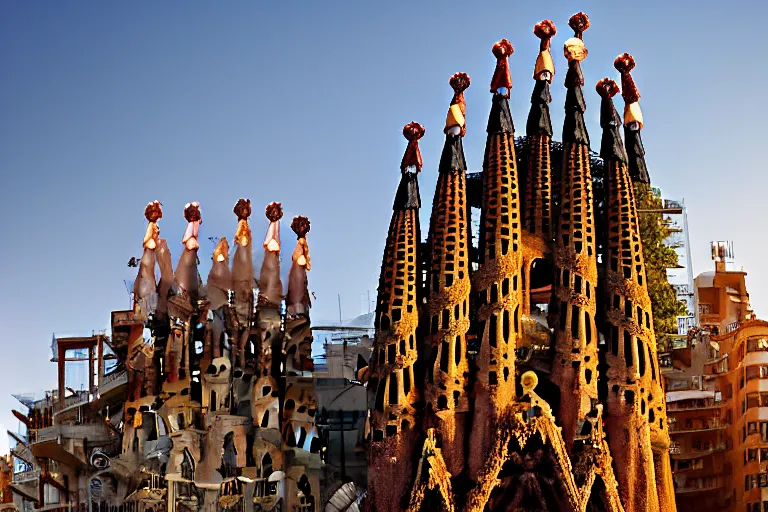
(633, 119)
(448, 290)
(538, 131)
(395, 349)
(655, 398)
(497, 281)
(574, 369)
(242, 277)
(630, 363)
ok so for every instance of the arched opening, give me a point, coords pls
(540, 288)
(266, 466)
(306, 490)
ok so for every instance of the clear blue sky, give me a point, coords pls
(106, 106)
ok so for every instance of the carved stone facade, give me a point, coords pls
(550, 338)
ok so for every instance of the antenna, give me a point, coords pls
(339, 296)
(722, 252)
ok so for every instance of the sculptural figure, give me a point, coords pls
(145, 287)
(270, 285)
(186, 275)
(298, 295)
(243, 282)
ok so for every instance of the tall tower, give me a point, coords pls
(574, 368)
(497, 281)
(656, 400)
(630, 362)
(448, 290)
(395, 350)
(538, 131)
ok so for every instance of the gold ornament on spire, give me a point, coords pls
(625, 63)
(574, 48)
(545, 67)
(243, 211)
(458, 109)
(153, 212)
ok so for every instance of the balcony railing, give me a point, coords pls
(690, 490)
(26, 477)
(113, 380)
(695, 405)
(697, 426)
(701, 484)
(678, 453)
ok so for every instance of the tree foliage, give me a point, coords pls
(658, 257)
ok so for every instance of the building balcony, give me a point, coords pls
(693, 490)
(701, 405)
(700, 484)
(676, 453)
(113, 381)
(94, 432)
(26, 477)
(711, 424)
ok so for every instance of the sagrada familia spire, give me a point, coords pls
(557, 404)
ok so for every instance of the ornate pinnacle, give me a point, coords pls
(300, 226)
(274, 211)
(501, 77)
(633, 116)
(611, 146)
(460, 83)
(607, 88)
(413, 131)
(455, 122)
(625, 63)
(544, 30)
(579, 22)
(243, 209)
(575, 51)
(545, 68)
(153, 211)
(192, 212)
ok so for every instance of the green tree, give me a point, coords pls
(658, 257)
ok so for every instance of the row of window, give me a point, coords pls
(755, 455)
(754, 400)
(753, 427)
(757, 372)
(757, 507)
(757, 345)
(756, 480)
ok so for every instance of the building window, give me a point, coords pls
(757, 345)
(756, 400)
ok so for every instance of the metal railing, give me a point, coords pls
(25, 477)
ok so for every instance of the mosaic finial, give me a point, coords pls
(455, 122)
(633, 116)
(412, 158)
(501, 83)
(545, 68)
